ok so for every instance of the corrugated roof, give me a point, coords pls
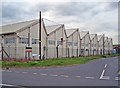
(70, 31)
(99, 37)
(109, 39)
(16, 26)
(52, 28)
(83, 33)
(92, 36)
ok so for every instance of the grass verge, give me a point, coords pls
(53, 62)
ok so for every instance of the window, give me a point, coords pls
(9, 40)
(75, 44)
(51, 42)
(59, 43)
(23, 40)
(87, 45)
(82, 44)
(69, 43)
(34, 41)
(95, 45)
(82, 51)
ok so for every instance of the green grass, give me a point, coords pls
(53, 62)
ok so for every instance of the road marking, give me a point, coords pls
(17, 72)
(105, 77)
(9, 71)
(24, 72)
(118, 72)
(90, 77)
(53, 75)
(105, 65)
(34, 73)
(64, 76)
(117, 78)
(2, 70)
(9, 85)
(77, 76)
(102, 74)
(6, 85)
(43, 74)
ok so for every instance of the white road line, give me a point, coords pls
(2, 70)
(35, 73)
(64, 76)
(90, 77)
(105, 65)
(117, 78)
(17, 72)
(43, 74)
(77, 76)
(118, 72)
(53, 75)
(105, 77)
(8, 71)
(6, 85)
(24, 72)
(102, 74)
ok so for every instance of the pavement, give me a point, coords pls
(100, 72)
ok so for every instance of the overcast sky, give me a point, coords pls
(96, 17)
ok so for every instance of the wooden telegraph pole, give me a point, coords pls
(40, 35)
(103, 44)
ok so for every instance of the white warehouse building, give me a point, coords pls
(56, 38)
(23, 39)
(93, 44)
(72, 42)
(85, 43)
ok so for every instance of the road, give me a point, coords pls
(101, 72)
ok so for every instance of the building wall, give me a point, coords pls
(51, 47)
(34, 32)
(85, 46)
(0, 47)
(94, 46)
(72, 44)
(56, 37)
(100, 46)
(106, 45)
(9, 43)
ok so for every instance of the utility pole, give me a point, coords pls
(103, 44)
(28, 41)
(40, 35)
(2, 48)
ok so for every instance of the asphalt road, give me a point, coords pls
(101, 72)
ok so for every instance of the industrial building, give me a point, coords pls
(73, 38)
(93, 44)
(35, 40)
(85, 43)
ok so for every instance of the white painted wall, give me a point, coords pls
(56, 36)
(94, 46)
(100, 46)
(85, 45)
(0, 47)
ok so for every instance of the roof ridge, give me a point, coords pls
(18, 22)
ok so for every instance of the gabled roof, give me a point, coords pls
(106, 39)
(92, 36)
(99, 37)
(70, 31)
(83, 33)
(109, 39)
(11, 28)
(52, 28)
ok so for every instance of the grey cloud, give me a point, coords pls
(73, 8)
